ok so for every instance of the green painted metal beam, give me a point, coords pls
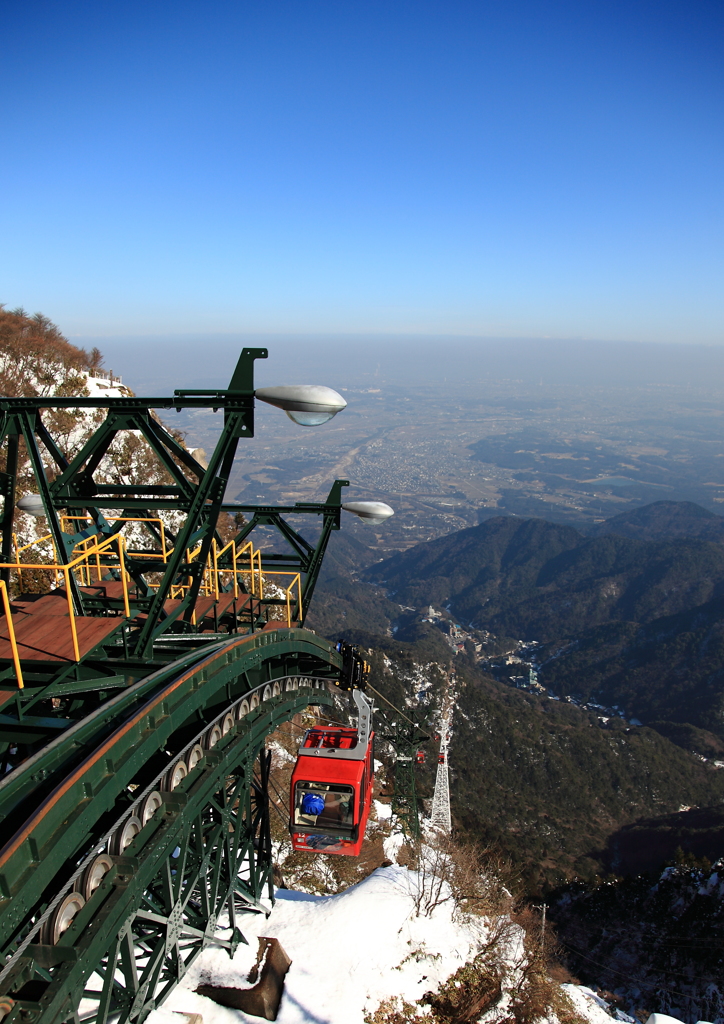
(84, 801)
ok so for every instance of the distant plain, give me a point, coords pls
(450, 431)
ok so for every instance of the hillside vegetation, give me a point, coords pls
(639, 623)
(539, 580)
(544, 782)
(634, 621)
(656, 940)
(37, 360)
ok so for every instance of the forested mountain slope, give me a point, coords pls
(664, 520)
(667, 672)
(539, 580)
(543, 781)
(638, 623)
(656, 940)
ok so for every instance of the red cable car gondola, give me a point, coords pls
(420, 757)
(331, 787)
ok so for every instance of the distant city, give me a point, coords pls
(448, 457)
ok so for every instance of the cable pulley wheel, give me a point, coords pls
(62, 918)
(212, 737)
(126, 834)
(175, 776)
(194, 756)
(95, 873)
(151, 804)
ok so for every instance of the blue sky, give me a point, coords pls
(479, 168)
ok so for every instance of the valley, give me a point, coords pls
(576, 716)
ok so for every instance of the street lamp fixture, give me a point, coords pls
(33, 505)
(370, 512)
(306, 404)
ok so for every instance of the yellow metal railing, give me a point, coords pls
(256, 580)
(243, 568)
(296, 582)
(11, 635)
(127, 519)
(85, 564)
(25, 547)
(245, 565)
(246, 559)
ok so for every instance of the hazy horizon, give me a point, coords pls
(168, 361)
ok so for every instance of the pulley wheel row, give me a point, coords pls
(61, 918)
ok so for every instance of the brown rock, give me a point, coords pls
(263, 999)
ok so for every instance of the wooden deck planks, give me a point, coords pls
(226, 600)
(55, 603)
(48, 637)
(110, 590)
(42, 626)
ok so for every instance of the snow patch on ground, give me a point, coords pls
(391, 846)
(384, 811)
(349, 952)
(588, 1004)
(280, 754)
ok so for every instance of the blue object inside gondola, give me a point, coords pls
(312, 803)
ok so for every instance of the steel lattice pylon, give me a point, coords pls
(405, 736)
(440, 817)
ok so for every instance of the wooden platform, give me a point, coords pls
(47, 637)
(243, 606)
(248, 607)
(107, 590)
(42, 623)
(226, 600)
(55, 603)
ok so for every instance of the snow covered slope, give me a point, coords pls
(356, 950)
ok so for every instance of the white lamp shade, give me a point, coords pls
(370, 512)
(33, 505)
(306, 404)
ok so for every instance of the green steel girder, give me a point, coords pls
(209, 676)
(86, 800)
(135, 891)
(84, 743)
(75, 487)
(161, 633)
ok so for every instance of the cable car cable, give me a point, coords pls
(284, 817)
(395, 709)
(318, 721)
(283, 797)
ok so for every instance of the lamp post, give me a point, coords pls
(306, 404)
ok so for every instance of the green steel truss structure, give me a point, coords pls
(406, 735)
(133, 797)
(203, 855)
(157, 630)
